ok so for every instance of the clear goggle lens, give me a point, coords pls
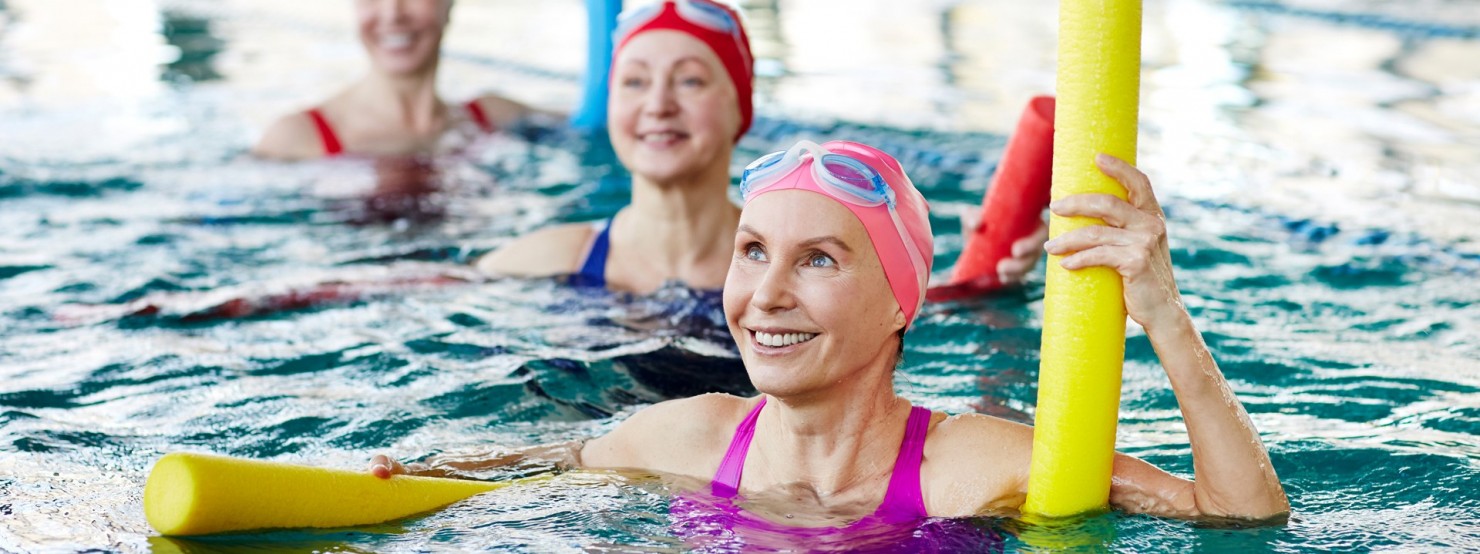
(846, 178)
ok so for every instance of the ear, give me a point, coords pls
(899, 320)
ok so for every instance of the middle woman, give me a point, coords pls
(680, 100)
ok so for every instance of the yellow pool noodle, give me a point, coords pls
(1099, 68)
(197, 494)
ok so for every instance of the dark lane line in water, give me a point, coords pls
(1405, 27)
(21, 187)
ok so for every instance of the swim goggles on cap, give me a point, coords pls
(704, 13)
(840, 176)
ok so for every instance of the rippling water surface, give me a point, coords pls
(159, 291)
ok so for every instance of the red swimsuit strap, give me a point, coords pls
(479, 116)
(326, 133)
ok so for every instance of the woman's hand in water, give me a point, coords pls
(384, 467)
(1025, 252)
(1132, 241)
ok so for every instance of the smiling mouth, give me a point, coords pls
(781, 340)
(395, 41)
(663, 137)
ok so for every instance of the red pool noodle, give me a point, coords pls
(1012, 207)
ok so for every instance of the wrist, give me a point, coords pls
(1170, 320)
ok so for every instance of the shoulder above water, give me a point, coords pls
(556, 250)
(975, 464)
(687, 436)
(290, 137)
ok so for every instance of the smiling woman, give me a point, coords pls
(828, 266)
(680, 100)
(681, 92)
(394, 109)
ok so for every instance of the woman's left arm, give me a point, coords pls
(1233, 474)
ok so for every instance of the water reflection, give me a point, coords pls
(1320, 176)
(198, 47)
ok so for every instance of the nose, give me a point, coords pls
(659, 100)
(392, 10)
(774, 291)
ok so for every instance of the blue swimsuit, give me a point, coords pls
(593, 270)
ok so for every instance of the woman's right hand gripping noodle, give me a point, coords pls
(1234, 476)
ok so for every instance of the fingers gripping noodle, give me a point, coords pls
(197, 494)
(1084, 311)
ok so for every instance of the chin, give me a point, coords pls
(407, 61)
(400, 65)
(661, 170)
(776, 381)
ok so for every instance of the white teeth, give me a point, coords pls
(660, 137)
(398, 40)
(782, 339)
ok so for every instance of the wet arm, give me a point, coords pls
(556, 250)
(562, 455)
(1233, 473)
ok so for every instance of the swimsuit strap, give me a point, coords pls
(479, 116)
(326, 133)
(726, 481)
(904, 501)
(593, 269)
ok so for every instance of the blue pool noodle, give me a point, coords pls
(601, 21)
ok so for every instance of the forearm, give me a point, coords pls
(554, 456)
(1233, 473)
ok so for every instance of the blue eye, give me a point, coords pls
(821, 260)
(692, 82)
(754, 253)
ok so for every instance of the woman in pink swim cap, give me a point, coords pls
(832, 251)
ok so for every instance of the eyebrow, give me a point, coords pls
(695, 59)
(677, 62)
(826, 239)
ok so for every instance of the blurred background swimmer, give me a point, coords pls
(681, 98)
(394, 109)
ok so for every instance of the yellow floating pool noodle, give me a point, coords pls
(1099, 68)
(196, 494)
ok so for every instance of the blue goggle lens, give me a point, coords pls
(716, 15)
(849, 174)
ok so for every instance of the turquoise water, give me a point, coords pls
(1317, 165)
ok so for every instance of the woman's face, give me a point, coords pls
(402, 36)
(672, 112)
(806, 298)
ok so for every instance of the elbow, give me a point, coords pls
(1267, 507)
(1275, 509)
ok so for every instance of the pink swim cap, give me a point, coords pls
(898, 244)
(714, 24)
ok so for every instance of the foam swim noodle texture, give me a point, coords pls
(195, 494)
(1083, 351)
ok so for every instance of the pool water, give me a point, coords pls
(160, 291)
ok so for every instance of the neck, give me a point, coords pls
(685, 223)
(410, 100)
(836, 439)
